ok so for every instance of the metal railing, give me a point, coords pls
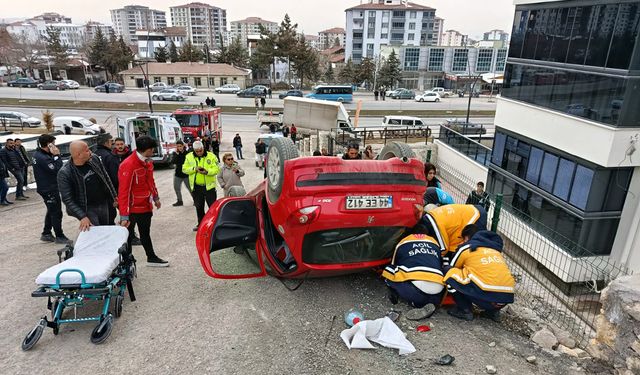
(560, 289)
(472, 149)
(382, 134)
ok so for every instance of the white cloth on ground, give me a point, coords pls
(382, 331)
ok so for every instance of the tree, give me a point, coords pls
(7, 55)
(161, 54)
(235, 54)
(118, 56)
(98, 49)
(328, 74)
(305, 61)
(365, 71)
(173, 52)
(55, 49)
(347, 73)
(25, 52)
(190, 53)
(390, 73)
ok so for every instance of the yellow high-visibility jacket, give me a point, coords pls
(209, 162)
(417, 258)
(448, 222)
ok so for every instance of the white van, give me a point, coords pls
(402, 121)
(163, 128)
(76, 125)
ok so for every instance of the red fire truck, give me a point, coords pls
(197, 122)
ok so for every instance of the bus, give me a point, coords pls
(334, 93)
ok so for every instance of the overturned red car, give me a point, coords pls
(314, 216)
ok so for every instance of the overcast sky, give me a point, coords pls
(471, 17)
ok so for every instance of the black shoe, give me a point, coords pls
(461, 314)
(177, 204)
(493, 315)
(135, 241)
(195, 229)
(62, 240)
(7, 202)
(157, 262)
(47, 238)
(4, 203)
(393, 296)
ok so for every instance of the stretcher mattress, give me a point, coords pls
(95, 254)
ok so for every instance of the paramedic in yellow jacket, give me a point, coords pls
(415, 273)
(479, 276)
(445, 224)
(202, 168)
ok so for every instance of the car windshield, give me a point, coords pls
(188, 120)
(85, 122)
(350, 245)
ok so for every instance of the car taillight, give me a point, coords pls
(305, 215)
(418, 210)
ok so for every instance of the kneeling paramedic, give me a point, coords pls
(479, 275)
(415, 273)
(436, 196)
(202, 167)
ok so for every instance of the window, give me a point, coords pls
(184, 80)
(397, 36)
(385, 14)
(411, 36)
(535, 165)
(413, 14)
(357, 35)
(370, 50)
(223, 81)
(548, 174)
(384, 36)
(157, 79)
(397, 25)
(436, 60)
(170, 81)
(372, 13)
(564, 178)
(385, 25)
(371, 33)
(411, 58)
(460, 59)
(501, 59)
(212, 81)
(398, 13)
(197, 81)
(357, 45)
(412, 26)
(485, 57)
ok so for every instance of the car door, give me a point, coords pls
(77, 128)
(9, 119)
(228, 240)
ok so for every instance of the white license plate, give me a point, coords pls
(369, 202)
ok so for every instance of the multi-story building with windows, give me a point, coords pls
(205, 24)
(52, 17)
(454, 38)
(130, 18)
(496, 35)
(150, 41)
(438, 29)
(567, 131)
(379, 23)
(331, 37)
(248, 29)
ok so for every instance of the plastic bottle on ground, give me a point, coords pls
(353, 317)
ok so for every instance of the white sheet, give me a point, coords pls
(95, 253)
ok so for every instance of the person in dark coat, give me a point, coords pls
(4, 187)
(109, 160)
(25, 158)
(12, 159)
(479, 196)
(263, 102)
(285, 131)
(180, 178)
(207, 101)
(121, 150)
(215, 146)
(46, 164)
(213, 102)
(237, 144)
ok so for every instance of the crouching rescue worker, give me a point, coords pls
(479, 276)
(415, 273)
(437, 196)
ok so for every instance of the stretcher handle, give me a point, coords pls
(82, 278)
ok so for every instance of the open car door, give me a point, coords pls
(227, 240)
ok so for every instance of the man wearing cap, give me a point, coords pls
(202, 168)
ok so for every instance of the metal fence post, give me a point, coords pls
(496, 213)
(428, 156)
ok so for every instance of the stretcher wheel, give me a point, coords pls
(117, 306)
(33, 336)
(102, 330)
(56, 329)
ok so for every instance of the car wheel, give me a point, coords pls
(280, 150)
(396, 150)
(421, 100)
(155, 97)
(58, 88)
(437, 100)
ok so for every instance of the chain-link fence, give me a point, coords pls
(560, 288)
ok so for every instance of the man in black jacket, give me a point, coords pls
(86, 189)
(12, 159)
(180, 178)
(4, 188)
(25, 159)
(215, 145)
(479, 196)
(46, 164)
(109, 160)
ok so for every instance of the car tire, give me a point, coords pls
(421, 100)
(155, 97)
(280, 150)
(396, 150)
(40, 88)
(58, 88)
(437, 100)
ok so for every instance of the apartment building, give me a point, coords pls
(328, 38)
(204, 23)
(130, 18)
(378, 23)
(248, 29)
(567, 128)
(454, 38)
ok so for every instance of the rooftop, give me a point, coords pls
(195, 5)
(334, 30)
(194, 68)
(405, 6)
(254, 20)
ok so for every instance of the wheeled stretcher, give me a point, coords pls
(99, 267)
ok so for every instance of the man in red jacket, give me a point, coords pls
(137, 195)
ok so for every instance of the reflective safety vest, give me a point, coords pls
(448, 222)
(209, 162)
(417, 257)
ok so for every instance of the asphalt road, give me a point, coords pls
(140, 96)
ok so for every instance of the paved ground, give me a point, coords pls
(186, 322)
(140, 96)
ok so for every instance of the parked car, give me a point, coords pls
(230, 88)
(186, 90)
(250, 93)
(388, 93)
(158, 86)
(23, 82)
(113, 87)
(169, 94)
(395, 120)
(314, 217)
(444, 93)
(260, 87)
(428, 96)
(462, 127)
(52, 85)
(71, 84)
(297, 93)
(76, 125)
(403, 94)
(11, 118)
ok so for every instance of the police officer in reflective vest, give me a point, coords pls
(202, 168)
